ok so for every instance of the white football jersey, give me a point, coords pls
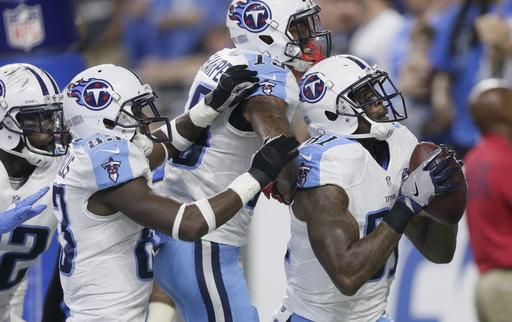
(106, 264)
(225, 151)
(20, 248)
(372, 190)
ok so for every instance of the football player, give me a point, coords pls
(276, 38)
(355, 196)
(102, 195)
(32, 139)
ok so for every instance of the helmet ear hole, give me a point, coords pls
(109, 124)
(267, 39)
(331, 116)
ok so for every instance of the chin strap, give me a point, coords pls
(299, 64)
(38, 160)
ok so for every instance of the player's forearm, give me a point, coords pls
(354, 266)
(267, 116)
(434, 240)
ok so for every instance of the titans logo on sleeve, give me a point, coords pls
(112, 168)
(267, 86)
(250, 15)
(312, 89)
(94, 94)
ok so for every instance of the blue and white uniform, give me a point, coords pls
(20, 248)
(372, 189)
(215, 289)
(106, 264)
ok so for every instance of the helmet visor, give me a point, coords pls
(374, 95)
(307, 34)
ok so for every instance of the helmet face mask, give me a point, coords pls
(308, 40)
(375, 88)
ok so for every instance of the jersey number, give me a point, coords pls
(144, 254)
(12, 271)
(372, 220)
(67, 243)
(191, 158)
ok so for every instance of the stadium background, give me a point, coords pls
(166, 41)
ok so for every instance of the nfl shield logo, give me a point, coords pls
(24, 26)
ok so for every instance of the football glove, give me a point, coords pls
(21, 211)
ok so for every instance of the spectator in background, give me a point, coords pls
(490, 198)
(342, 17)
(410, 62)
(460, 56)
(374, 38)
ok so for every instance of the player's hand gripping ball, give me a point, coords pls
(446, 208)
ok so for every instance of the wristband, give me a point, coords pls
(245, 186)
(398, 217)
(202, 115)
(177, 140)
(160, 312)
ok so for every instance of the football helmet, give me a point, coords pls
(339, 90)
(287, 30)
(31, 123)
(111, 100)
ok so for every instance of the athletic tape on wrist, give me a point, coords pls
(207, 212)
(178, 141)
(202, 115)
(177, 222)
(398, 217)
(245, 186)
(160, 312)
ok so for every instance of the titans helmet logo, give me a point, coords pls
(312, 89)
(95, 94)
(112, 167)
(251, 15)
(267, 86)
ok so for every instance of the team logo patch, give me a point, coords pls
(95, 94)
(267, 86)
(312, 89)
(24, 26)
(251, 15)
(303, 174)
(112, 167)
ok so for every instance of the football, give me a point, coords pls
(446, 208)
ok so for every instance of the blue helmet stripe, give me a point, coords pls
(54, 84)
(40, 80)
(357, 61)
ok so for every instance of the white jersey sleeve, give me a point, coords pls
(327, 159)
(102, 250)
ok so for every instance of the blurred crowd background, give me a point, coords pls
(435, 50)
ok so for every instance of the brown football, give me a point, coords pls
(447, 208)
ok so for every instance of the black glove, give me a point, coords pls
(235, 84)
(272, 157)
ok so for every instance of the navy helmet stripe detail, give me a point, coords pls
(140, 80)
(40, 80)
(217, 275)
(357, 61)
(54, 84)
(201, 282)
